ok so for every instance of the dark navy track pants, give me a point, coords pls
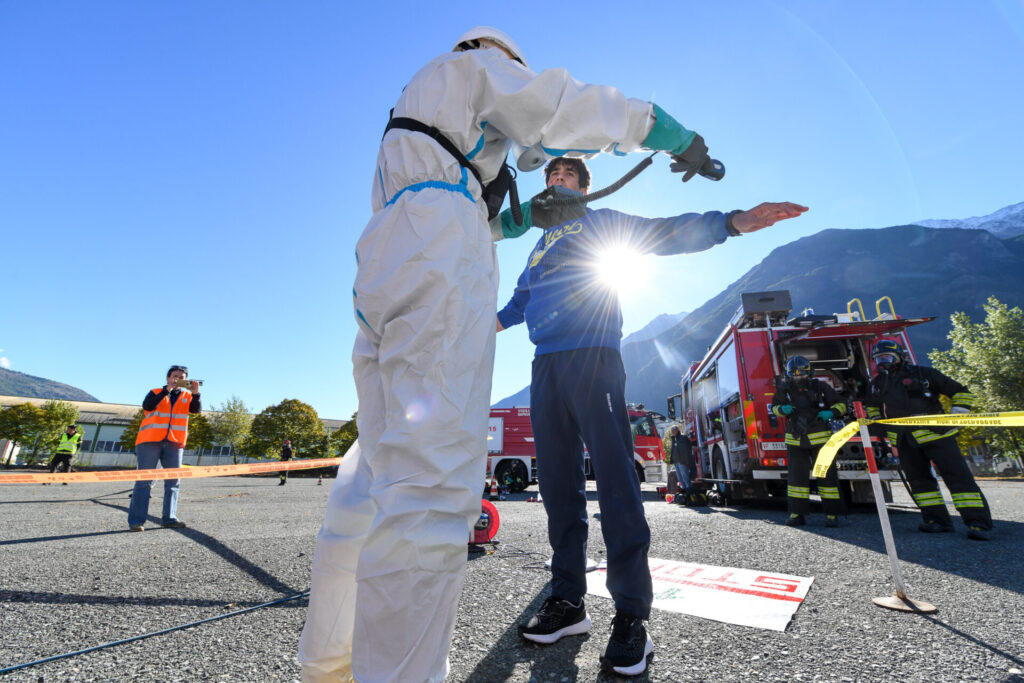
(581, 393)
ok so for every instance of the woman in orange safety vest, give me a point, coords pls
(162, 436)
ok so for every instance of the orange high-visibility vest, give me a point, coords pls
(167, 422)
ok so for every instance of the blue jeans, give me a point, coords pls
(682, 475)
(168, 454)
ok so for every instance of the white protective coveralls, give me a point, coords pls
(390, 557)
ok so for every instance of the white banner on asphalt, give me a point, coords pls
(735, 596)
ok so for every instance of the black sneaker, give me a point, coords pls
(796, 520)
(176, 524)
(976, 533)
(629, 646)
(930, 526)
(554, 619)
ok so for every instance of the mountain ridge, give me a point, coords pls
(14, 383)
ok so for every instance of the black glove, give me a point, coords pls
(556, 205)
(691, 160)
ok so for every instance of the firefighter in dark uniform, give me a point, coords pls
(808, 405)
(286, 455)
(66, 450)
(901, 389)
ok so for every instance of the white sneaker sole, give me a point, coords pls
(639, 667)
(571, 630)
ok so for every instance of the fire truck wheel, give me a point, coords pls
(514, 473)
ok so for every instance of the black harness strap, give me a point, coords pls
(406, 123)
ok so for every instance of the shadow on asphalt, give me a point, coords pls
(559, 657)
(980, 643)
(226, 553)
(982, 561)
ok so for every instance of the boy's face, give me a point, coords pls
(564, 175)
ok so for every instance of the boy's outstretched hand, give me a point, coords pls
(763, 215)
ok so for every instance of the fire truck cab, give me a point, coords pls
(648, 428)
(725, 398)
(511, 454)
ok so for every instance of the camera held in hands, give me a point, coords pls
(187, 383)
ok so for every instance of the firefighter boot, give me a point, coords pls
(831, 521)
(976, 533)
(796, 520)
(934, 526)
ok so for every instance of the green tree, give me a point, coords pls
(200, 433)
(988, 358)
(289, 419)
(131, 432)
(53, 419)
(342, 438)
(18, 424)
(231, 424)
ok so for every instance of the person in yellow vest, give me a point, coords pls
(66, 450)
(163, 434)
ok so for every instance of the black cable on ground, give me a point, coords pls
(66, 655)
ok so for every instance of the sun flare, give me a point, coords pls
(621, 268)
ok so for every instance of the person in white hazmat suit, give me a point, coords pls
(390, 556)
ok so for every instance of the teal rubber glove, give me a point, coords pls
(509, 229)
(689, 153)
(786, 410)
(825, 415)
(667, 134)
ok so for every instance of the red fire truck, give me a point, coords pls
(511, 455)
(510, 451)
(648, 450)
(725, 397)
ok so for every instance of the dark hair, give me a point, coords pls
(177, 367)
(582, 172)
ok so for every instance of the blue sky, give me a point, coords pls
(185, 182)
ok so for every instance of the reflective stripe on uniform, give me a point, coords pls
(963, 398)
(828, 492)
(929, 498)
(815, 438)
(968, 500)
(926, 435)
(798, 491)
(818, 438)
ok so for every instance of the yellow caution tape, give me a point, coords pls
(187, 472)
(828, 452)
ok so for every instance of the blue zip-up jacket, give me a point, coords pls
(559, 295)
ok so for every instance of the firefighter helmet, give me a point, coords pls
(799, 368)
(886, 354)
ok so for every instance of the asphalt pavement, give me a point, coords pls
(72, 577)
